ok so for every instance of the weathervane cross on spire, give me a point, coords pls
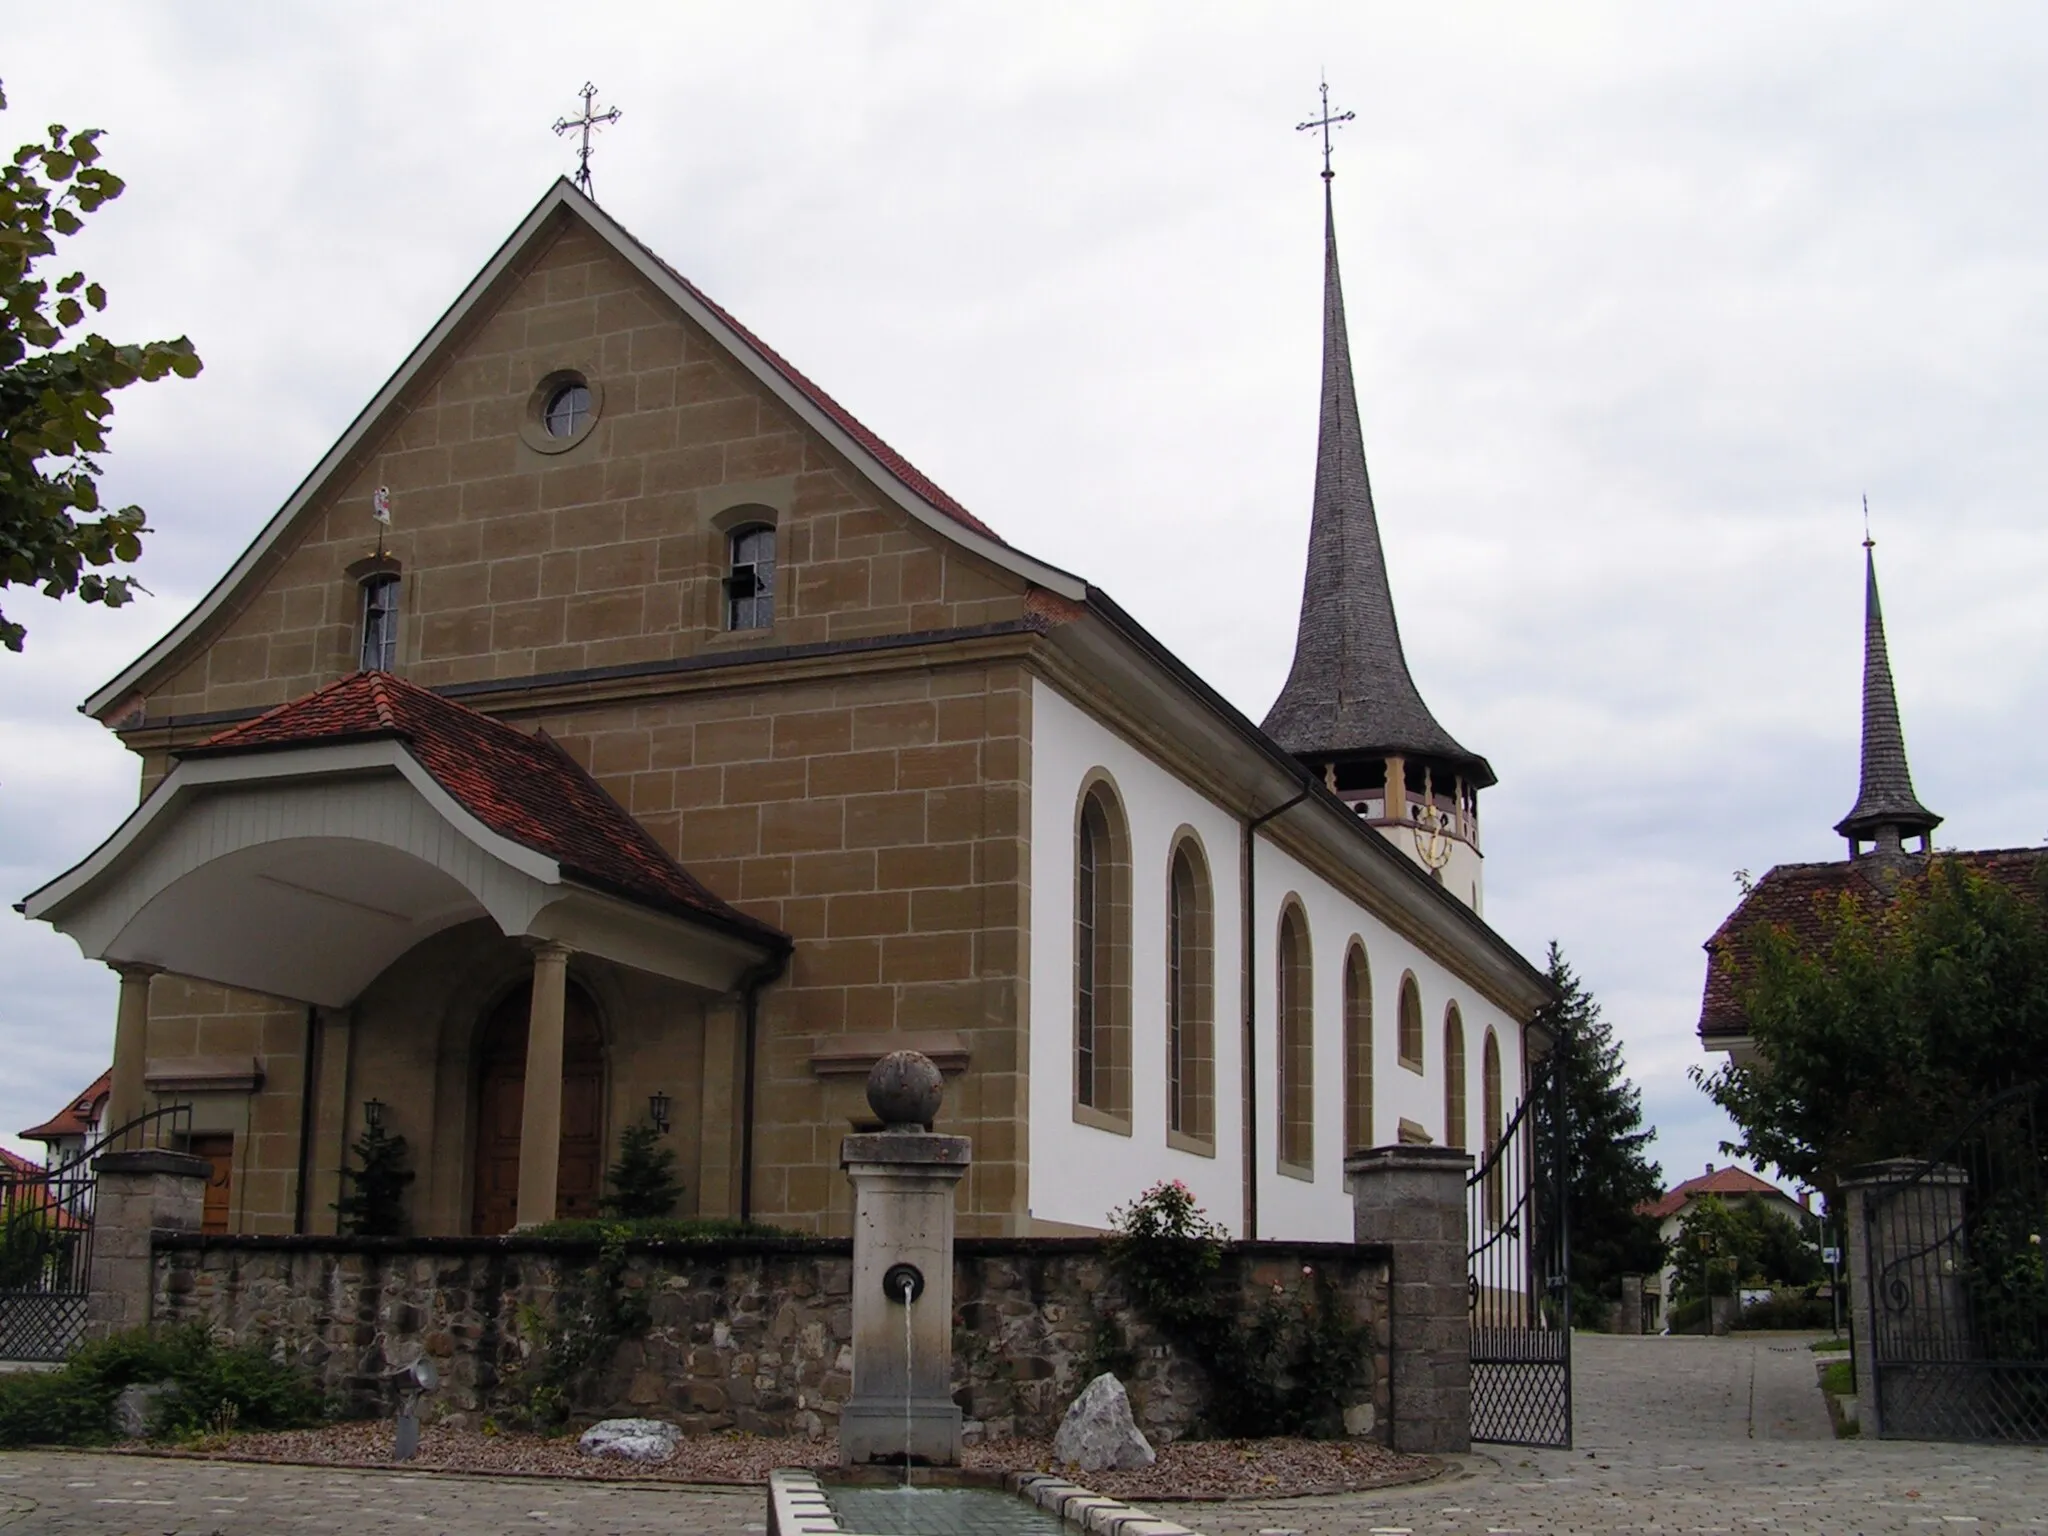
(1326, 122)
(591, 118)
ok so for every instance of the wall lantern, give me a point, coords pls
(373, 1113)
(657, 1111)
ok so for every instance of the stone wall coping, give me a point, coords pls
(1420, 1159)
(705, 1248)
(153, 1160)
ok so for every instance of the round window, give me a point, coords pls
(568, 410)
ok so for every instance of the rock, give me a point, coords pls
(1098, 1431)
(904, 1090)
(136, 1409)
(630, 1439)
(1358, 1420)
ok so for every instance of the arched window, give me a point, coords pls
(1296, 1056)
(1102, 959)
(750, 584)
(1491, 1111)
(1357, 1050)
(1190, 997)
(1454, 1077)
(1408, 1047)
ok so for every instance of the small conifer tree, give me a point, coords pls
(375, 1207)
(643, 1181)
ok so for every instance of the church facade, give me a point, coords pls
(676, 749)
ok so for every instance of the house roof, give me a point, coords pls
(524, 788)
(17, 1165)
(1715, 1181)
(1798, 897)
(1885, 794)
(1349, 693)
(79, 1116)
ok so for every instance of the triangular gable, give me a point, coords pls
(899, 481)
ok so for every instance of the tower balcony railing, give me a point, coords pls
(1440, 814)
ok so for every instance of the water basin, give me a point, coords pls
(900, 1511)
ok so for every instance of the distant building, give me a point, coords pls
(1732, 1186)
(68, 1132)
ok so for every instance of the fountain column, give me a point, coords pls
(904, 1179)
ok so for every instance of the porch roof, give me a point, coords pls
(301, 853)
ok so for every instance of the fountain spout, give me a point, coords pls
(904, 1181)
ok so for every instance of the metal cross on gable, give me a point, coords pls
(591, 118)
(1326, 122)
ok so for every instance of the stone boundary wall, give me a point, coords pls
(751, 1334)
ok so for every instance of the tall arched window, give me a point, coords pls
(1190, 998)
(750, 583)
(1408, 1046)
(1454, 1077)
(380, 622)
(1102, 961)
(1491, 1111)
(1357, 1050)
(1296, 1055)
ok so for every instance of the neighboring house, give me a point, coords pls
(678, 749)
(1732, 1186)
(68, 1132)
(1886, 815)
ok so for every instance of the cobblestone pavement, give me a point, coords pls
(1723, 1437)
(62, 1493)
(1683, 1436)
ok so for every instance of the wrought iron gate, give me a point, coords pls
(1518, 1275)
(46, 1239)
(1958, 1280)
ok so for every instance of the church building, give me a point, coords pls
(612, 728)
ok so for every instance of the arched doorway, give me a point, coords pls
(501, 1102)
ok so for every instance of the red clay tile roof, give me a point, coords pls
(1721, 1181)
(920, 485)
(1797, 897)
(525, 788)
(13, 1163)
(79, 1116)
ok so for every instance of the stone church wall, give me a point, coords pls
(748, 1335)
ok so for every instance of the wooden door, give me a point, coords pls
(219, 1150)
(501, 1105)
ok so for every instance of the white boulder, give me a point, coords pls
(630, 1439)
(1099, 1431)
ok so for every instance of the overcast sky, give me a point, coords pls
(1642, 301)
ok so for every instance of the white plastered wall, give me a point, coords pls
(1079, 1173)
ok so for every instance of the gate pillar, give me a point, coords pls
(1412, 1198)
(1907, 1307)
(138, 1195)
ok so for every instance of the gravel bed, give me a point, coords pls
(1198, 1469)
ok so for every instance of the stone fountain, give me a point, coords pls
(904, 1177)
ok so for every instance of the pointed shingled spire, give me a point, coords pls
(1349, 694)
(1886, 798)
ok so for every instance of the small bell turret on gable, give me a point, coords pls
(1349, 708)
(1887, 812)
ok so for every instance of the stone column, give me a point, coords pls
(1630, 1318)
(540, 1120)
(1413, 1199)
(126, 1095)
(904, 1180)
(1903, 1231)
(138, 1195)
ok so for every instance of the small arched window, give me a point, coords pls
(1190, 997)
(1296, 1041)
(1491, 1111)
(1102, 958)
(380, 622)
(1454, 1077)
(1357, 1050)
(1408, 1047)
(750, 584)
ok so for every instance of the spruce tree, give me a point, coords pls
(643, 1180)
(376, 1206)
(1609, 1172)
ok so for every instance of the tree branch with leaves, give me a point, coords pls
(56, 385)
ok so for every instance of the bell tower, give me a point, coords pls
(1886, 812)
(1349, 708)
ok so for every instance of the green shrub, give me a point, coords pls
(671, 1229)
(214, 1385)
(1787, 1311)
